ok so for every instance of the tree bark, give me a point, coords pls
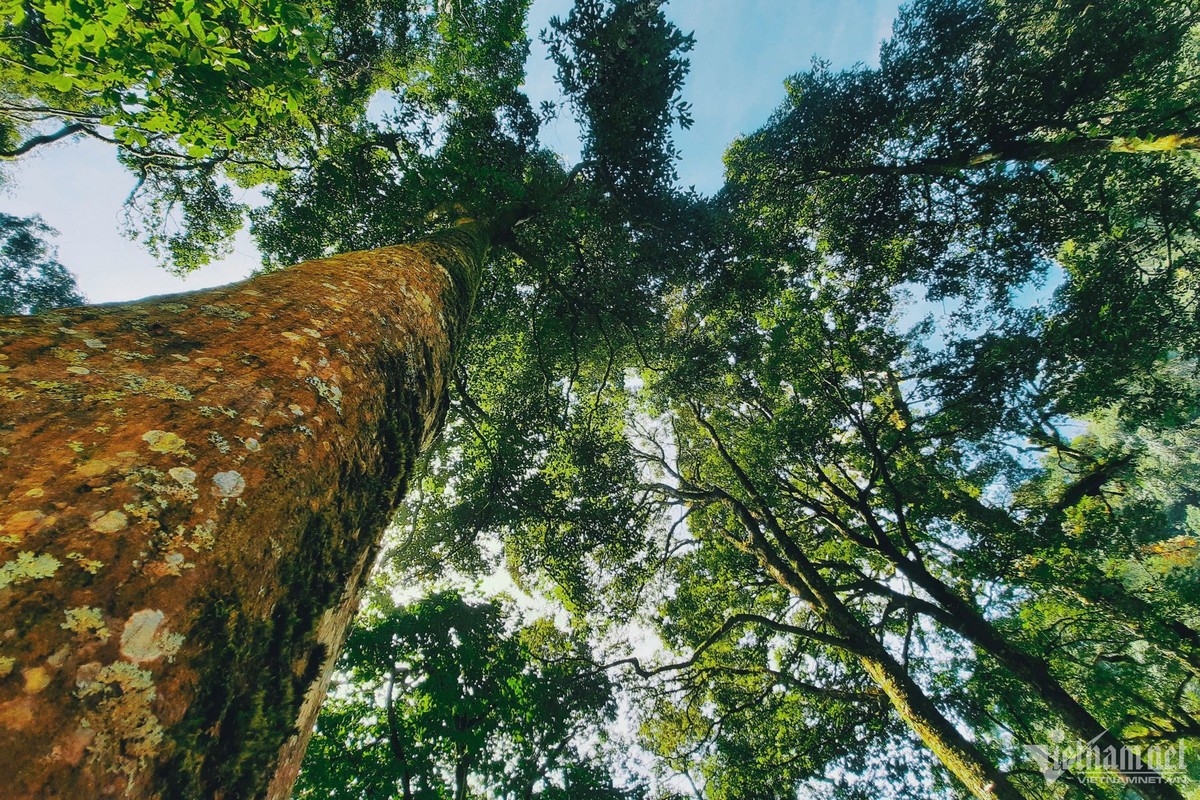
(192, 489)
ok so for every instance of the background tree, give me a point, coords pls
(903, 466)
(473, 705)
(31, 279)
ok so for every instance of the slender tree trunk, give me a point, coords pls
(395, 740)
(1034, 672)
(192, 489)
(793, 570)
(1031, 150)
(784, 560)
(957, 753)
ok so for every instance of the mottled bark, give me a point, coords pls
(191, 491)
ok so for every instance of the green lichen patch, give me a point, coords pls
(182, 475)
(164, 441)
(225, 312)
(28, 566)
(89, 565)
(165, 487)
(86, 621)
(69, 355)
(156, 387)
(327, 391)
(218, 441)
(120, 695)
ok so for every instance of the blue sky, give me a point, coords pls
(744, 50)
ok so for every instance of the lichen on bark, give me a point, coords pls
(191, 491)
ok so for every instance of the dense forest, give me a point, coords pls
(874, 474)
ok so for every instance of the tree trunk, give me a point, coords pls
(959, 755)
(1034, 672)
(1031, 150)
(193, 489)
(792, 569)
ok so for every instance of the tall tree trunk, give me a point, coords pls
(192, 490)
(962, 757)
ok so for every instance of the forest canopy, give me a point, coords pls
(866, 476)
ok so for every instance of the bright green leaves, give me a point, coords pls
(447, 691)
(197, 71)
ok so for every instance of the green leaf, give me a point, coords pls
(196, 24)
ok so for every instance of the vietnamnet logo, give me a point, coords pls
(1092, 764)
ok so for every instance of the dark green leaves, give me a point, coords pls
(31, 279)
(622, 64)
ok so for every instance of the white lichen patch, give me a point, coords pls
(145, 639)
(164, 441)
(250, 444)
(94, 344)
(108, 522)
(28, 566)
(86, 621)
(218, 441)
(79, 370)
(228, 484)
(328, 391)
(295, 409)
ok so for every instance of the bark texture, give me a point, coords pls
(192, 489)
